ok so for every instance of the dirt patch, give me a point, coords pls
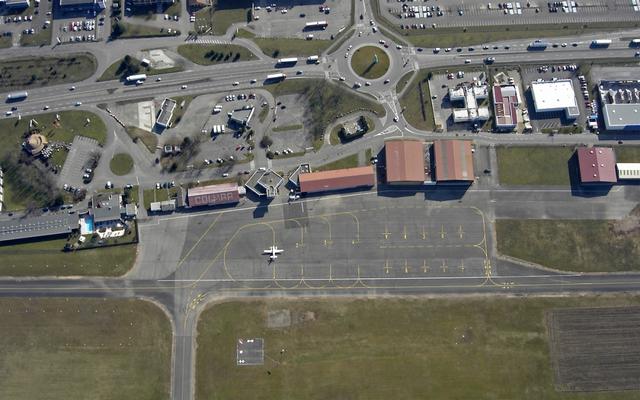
(629, 225)
(595, 349)
(278, 319)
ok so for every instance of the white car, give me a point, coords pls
(8, 113)
(183, 87)
(45, 108)
(236, 83)
(72, 88)
(166, 16)
(158, 79)
(254, 80)
(78, 103)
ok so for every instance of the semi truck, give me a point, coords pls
(538, 45)
(634, 43)
(276, 77)
(17, 96)
(601, 43)
(313, 60)
(137, 77)
(287, 62)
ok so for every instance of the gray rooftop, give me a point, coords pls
(621, 115)
(76, 2)
(106, 210)
(36, 227)
(166, 112)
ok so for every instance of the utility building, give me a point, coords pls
(558, 95)
(339, 179)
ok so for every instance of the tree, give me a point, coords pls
(266, 141)
(118, 29)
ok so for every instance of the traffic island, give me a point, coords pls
(370, 62)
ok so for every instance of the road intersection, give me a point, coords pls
(383, 242)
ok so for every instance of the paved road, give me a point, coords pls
(183, 268)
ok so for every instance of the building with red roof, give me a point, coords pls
(597, 165)
(404, 160)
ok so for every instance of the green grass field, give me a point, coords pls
(473, 348)
(149, 139)
(121, 164)
(142, 31)
(627, 154)
(34, 72)
(221, 15)
(324, 102)
(364, 65)
(349, 161)
(285, 47)
(41, 38)
(284, 128)
(116, 71)
(61, 348)
(5, 42)
(534, 165)
(570, 245)
(71, 123)
(416, 102)
(215, 53)
(47, 258)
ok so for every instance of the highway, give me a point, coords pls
(185, 286)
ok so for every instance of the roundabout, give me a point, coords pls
(370, 62)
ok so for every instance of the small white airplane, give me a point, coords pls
(273, 252)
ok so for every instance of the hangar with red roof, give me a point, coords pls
(597, 165)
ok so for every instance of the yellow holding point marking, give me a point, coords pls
(460, 232)
(425, 267)
(387, 268)
(442, 232)
(404, 232)
(406, 267)
(443, 266)
(386, 233)
(461, 266)
(424, 233)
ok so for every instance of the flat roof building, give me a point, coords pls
(338, 179)
(242, 116)
(453, 160)
(38, 227)
(628, 170)
(469, 95)
(404, 160)
(16, 3)
(166, 113)
(82, 4)
(597, 165)
(506, 101)
(620, 104)
(555, 95)
(225, 193)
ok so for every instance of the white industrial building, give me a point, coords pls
(470, 95)
(556, 95)
(628, 170)
(620, 104)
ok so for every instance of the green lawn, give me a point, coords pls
(324, 102)
(285, 47)
(47, 258)
(154, 195)
(141, 31)
(570, 245)
(529, 165)
(117, 70)
(365, 65)
(334, 136)
(5, 42)
(284, 128)
(469, 348)
(627, 154)
(402, 83)
(149, 139)
(182, 103)
(211, 54)
(416, 102)
(42, 71)
(121, 164)
(66, 348)
(459, 37)
(219, 17)
(349, 161)
(41, 38)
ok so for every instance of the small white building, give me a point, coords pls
(556, 95)
(470, 95)
(628, 170)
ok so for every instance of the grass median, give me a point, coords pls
(34, 72)
(573, 245)
(350, 161)
(121, 164)
(370, 62)
(66, 348)
(211, 54)
(488, 348)
(121, 69)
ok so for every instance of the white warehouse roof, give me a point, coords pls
(628, 170)
(555, 96)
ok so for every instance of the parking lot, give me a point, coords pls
(287, 20)
(453, 13)
(340, 242)
(27, 25)
(549, 121)
(77, 160)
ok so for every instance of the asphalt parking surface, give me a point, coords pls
(338, 241)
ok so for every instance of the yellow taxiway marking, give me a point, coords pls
(425, 267)
(404, 232)
(443, 266)
(460, 232)
(386, 233)
(442, 232)
(424, 233)
(461, 266)
(387, 268)
(406, 267)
